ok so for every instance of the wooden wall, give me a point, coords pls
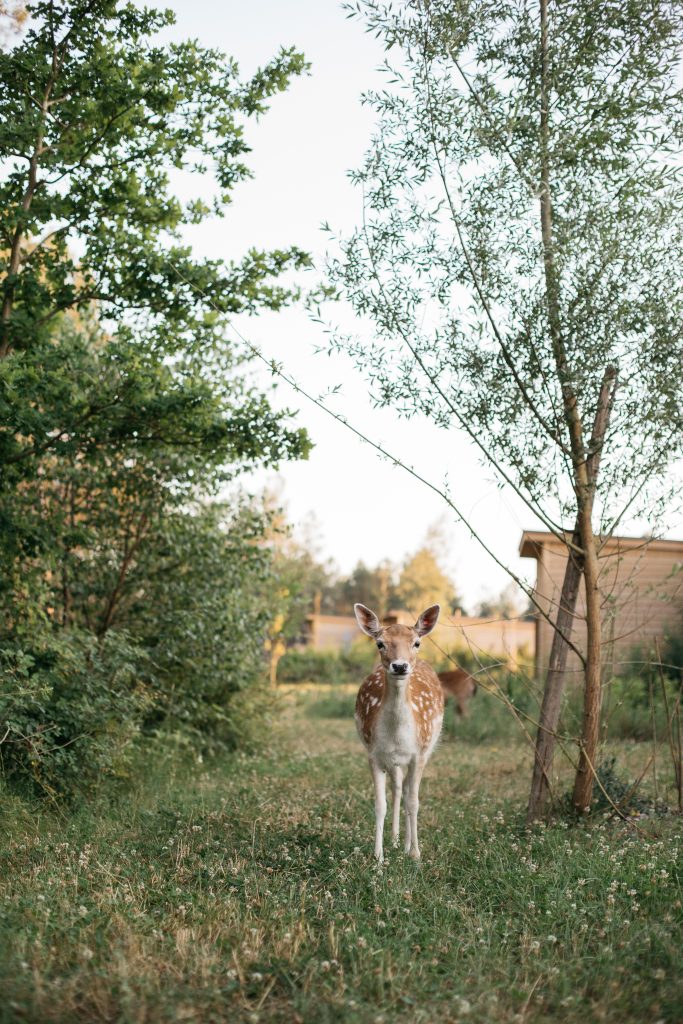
(642, 596)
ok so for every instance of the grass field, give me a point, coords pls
(245, 891)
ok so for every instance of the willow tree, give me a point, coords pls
(519, 258)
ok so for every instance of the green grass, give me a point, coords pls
(245, 891)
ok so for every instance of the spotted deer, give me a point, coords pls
(459, 685)
(399, 711)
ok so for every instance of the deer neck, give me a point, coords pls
(396, 689)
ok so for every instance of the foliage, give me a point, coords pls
(423, 582)
(200, 592)
(419, 580)
(346, 666)
(69, 707)
(89, 163)
(182, 651)
(461, 311)
(673, 653)
(634, 706)
(373, 586)
(270, 855)
(522, 200)
(111, 118)
(616, 791)
(124, 406)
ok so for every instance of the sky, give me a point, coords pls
(361, 506)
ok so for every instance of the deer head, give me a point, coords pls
(398, 646)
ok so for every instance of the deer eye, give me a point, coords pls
(416, 644)
(380, 645)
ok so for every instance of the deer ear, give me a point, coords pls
(367, 620)
(425, 624)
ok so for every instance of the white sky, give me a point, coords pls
(365, 508)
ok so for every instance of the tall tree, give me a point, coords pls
(422, 582)
(371, 586)
(123, 402)
(522, 221)
(95, 118)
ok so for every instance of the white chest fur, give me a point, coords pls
(395, 738)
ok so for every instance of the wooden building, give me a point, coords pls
(641, 584)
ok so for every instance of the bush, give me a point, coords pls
(628, 703)
(200, 619)
(349, 666)
(184, 656)
(616, 791)
(70, 707)
(673, 655)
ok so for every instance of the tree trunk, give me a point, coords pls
(554, 687)
(592, 696)
(555, 678)
(580, 456)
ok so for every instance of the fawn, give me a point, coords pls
(399, 711)
(459, 685)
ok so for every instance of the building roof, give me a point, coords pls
(533, 540)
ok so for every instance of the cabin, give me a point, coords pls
(641, 583)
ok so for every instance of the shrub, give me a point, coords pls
(628, 705)
(185, 655)
(69, 708)
(616, 791)
(200, 618)
(349, 666)
(673, 654)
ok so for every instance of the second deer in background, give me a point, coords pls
(459, 685)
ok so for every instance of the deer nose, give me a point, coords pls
(399, 668)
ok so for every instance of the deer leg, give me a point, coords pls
(412, 805)
(406, 815)
(380, 780)
(396, 790)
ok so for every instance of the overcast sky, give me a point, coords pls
(365, 508)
